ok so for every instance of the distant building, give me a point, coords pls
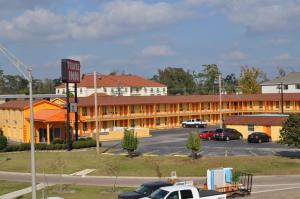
(116, 85)
(270, 124)
(290, 83)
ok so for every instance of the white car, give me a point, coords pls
(194, 123)
(185, 192)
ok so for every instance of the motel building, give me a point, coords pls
(149, 112)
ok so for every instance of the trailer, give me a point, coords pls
(232, 183)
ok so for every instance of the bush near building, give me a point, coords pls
(290, 132)
(56, 145)
(3, 142)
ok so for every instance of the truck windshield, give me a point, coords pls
(159, 194)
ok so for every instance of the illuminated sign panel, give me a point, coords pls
(70, 71)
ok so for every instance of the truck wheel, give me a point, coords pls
(209, 138)
(259, 141)
(197, 126)
(240, 137)
(227, 138)
(183, 125)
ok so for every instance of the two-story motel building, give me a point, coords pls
(134, 111)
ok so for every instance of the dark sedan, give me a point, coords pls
(144, 190)
(259, 137)
(228, 134)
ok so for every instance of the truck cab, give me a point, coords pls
(185, 192)
(194, 123)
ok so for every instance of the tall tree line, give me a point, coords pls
(181, 82)
(16, 84)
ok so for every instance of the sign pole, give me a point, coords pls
(68, 119)
(76, 114)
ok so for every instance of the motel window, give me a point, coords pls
(287, 104)
(297, 86)
(105, 90)
(64, 91)
(145, 89)
(57, 91)
(260, 104)
(104, 110)
(84, 111)
(151, 90)
(85, 126)
(250, 127)
(125, 90)
(157, 90)
(80, 90)
(157, 121)
(164, 90)
(277, 104)
(251, 105)
(132, 109)
(180, 107)
(57, 132)
(286, 87)
(157, 108)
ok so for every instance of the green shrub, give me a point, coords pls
(24, 147)
(50, 147)
(41, 146)
(3, 142)
(84, 144)
(11, 148)
(130, 142)
(57, 141)
(85, 139)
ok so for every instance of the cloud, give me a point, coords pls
(115, 18)
(260, 16)
(159, 51)
(283, 57)
(235, 56)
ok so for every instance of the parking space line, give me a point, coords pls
(254, 154)
(177, 155)
(271, 190)
(172, 154)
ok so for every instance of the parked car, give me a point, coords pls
(144, 190)
(194, 123)
(185, 192)
(228, 134)
(259, 137)
(207, 135)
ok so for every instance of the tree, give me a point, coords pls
(130, 142)
(281, 72)
(178, 80)
(207, 80)
(231, 84)
(194, 144)
(290, 132)
(248, 82)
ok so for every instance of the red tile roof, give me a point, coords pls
(17, 104)
(52, 115)
(131, 100)
(115, 81)
(255, 120)
(21, 104)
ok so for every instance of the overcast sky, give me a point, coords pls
(141, 36)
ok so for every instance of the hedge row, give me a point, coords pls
(42, 146)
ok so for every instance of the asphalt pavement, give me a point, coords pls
(172, 142)
(265, 187)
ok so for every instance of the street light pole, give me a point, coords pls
(32, 141)
(96, 112)
(220, 96)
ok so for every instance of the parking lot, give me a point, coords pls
(173, 142)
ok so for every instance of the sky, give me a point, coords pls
(140, 37)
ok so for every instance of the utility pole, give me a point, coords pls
(220, 95)
(96, 111)
(18, 64)
(281, 92)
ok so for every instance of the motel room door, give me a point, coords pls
(267, 130)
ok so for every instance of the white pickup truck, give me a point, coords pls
(194, 123)
(185, 192)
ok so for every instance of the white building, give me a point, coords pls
(290, 84)
(123, 85)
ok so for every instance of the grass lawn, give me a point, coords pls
(69, 191)
(145, 166)
(7, 186)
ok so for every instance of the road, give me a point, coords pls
(263, 186)
(173, 142)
